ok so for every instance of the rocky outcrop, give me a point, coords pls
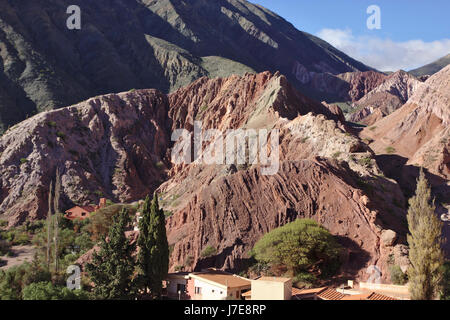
(107, 146)
(361, 83)
(418, 135)
(388, 237)
(384, 99)
(419, 130)
(348, 86)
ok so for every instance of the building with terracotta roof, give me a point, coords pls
(326, 293)
(83, 212)
(330, 294)
(368, 296)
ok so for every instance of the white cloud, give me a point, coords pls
(385, 54)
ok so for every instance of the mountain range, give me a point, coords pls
(432, 67)
(128, 44)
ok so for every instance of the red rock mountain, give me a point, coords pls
(119, 146)
(385, 98)
(418, 135)
(419, 130)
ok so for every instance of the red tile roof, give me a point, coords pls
(377, 296)
(330, 294)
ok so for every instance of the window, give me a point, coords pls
(198, 290)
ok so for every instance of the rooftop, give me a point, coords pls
(223, 279)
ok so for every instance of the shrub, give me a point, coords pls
(23, 160)
(13, 280)
(189, 261)
(336, 154)
(304, 279)
(208, 252)
(51, 124)
(168, 213)
(397, 275)
(179, 268)
(300, 246)
(366, 161)
(390, 150)
(3, 223)
(48, 291)
(5, 246)
(61, 135)
(159, 165)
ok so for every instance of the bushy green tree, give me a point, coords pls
(425, 239)
(48, 291)
(112, 266)
(153, 258)
(446, 281)
(15, 279)
(300, 246)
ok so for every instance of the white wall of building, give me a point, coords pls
(209, 291)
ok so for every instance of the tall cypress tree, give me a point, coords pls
(56, 217)
(153, 257)
(49, 225)
(112, 267)
(425, 239)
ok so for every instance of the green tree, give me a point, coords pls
(425, 239)
(153, 257)
(15, 279)
(446, 281)
(48, 291)
(112, 267)
(300, 246)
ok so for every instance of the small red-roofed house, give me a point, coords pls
(83, 212)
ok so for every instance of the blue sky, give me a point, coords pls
(413, 32)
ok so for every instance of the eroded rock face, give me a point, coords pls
(119, 145)
(233, 211)
(418, 135)
(348, 86)
(419, 130)
(231, 206)
(361, 83)
(107, 146)
(384, 99)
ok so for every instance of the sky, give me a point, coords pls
(412, 32)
